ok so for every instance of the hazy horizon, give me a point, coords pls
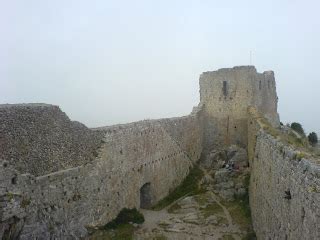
(110, 62)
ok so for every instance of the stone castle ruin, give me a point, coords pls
(225, 96)
(58, 177)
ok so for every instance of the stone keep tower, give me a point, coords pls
(226, 95)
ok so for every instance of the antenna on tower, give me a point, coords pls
(250, 57)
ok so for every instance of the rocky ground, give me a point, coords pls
(219, 211)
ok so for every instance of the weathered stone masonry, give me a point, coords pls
(61, 204)
(275, 170)
(40, 139)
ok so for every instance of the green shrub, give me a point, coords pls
(124, 217)
(298, 128)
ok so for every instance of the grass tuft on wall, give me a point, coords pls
(189, 186)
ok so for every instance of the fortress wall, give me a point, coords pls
(276, 168)
(40, 138)
(187, 132)
(61, 204)
(226, 94)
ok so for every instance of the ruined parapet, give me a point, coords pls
(40, 138)
(226, 94)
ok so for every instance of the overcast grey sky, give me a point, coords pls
(106, 62)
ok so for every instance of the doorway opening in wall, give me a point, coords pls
(145, 196)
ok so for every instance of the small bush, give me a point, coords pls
(124, 217)
(313, 138)
(212, 209)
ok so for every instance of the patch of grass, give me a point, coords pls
(201, 199)
(240, 213)
(313, 189)
(249, 236)
(119, 228)
(211, 209)
(246, 181)
(173, 208)
(10, 195)
(25, 202)
(227, 237)
(269, 129)
(189, 186)
(243, 200)
(122, 232)
(240, 209)
(159, 237)
(164, 224)
(50, 227)
(289, 138)
(124, 217)
(300, 155)
(292, 139)
(222, 220)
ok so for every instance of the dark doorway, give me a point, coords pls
(145, 196)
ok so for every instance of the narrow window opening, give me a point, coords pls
(14, 180)
(224, 89)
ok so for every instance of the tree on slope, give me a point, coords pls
(313, 138)
(298, 128)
